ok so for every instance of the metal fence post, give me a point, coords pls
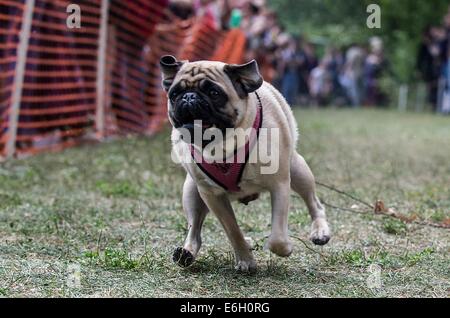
(19, 74)
(440, 92)
(101, 64)
(403, 97)
(420, 97)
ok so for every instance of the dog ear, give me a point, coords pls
(169, 68)
(245, 78)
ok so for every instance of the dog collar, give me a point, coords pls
(228, 174)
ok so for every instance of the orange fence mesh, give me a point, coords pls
(60, 103)
(128, 75)
(59, 91)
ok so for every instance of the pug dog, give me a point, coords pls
(221, 97)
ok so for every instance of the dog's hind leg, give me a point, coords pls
(196, 211)
(302, 182)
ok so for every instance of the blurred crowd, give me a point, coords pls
(313, 74)
(433, 64)
(342, 76)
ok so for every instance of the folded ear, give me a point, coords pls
(245, 78)
(169, 68)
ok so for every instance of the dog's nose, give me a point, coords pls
(189, 98)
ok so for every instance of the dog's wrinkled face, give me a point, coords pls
(210, 92)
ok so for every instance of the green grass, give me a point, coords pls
(394, 226)
(114, 210)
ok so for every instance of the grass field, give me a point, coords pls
(110, 215)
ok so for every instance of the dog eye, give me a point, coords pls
(213, 93)
(173, 96)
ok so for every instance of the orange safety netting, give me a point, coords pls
(232, 48)
(129, 76)
(58, 100)
(65, 98)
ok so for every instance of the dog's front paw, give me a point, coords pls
(281, 247)
(183, 257)
(248, 266)
(320, 232)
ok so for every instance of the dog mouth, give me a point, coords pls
(199, 121)
(196, 132)
(198, 115)
(198, 125)
(189, 121)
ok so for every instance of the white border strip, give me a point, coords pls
(101, 65)
(22, 51)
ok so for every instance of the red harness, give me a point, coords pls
(228, 174)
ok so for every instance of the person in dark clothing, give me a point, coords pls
(335, 65)
(184, 9)
(429, 63)
(445, 53)
(307, 62)
(290, 59)
(445, 42)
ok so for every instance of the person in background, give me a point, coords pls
(335, 63)
(321, 83)
(235, 19)
(254, 25)
(429, 63)
(290, 61)
(281, 42)
(211, 11)
(265, 54)
(352, 74)
(307, 62)
(445, 43)
(373, 70)
(445, 55)
(183, 9)
(311, 56)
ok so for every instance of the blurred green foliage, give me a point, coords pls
(342, 22)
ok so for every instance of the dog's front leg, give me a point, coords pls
(220, 205)
(195, 210)
(279, 242)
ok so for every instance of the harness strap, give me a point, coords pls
(228, 174)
